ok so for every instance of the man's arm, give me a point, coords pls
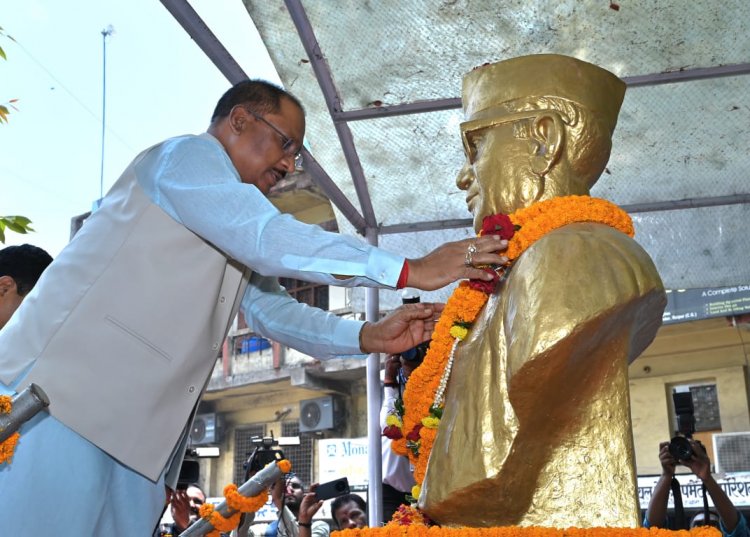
(656, 514)
(700, 465)
(271, 312)
(194, 181)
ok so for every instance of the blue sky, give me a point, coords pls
(158, 84)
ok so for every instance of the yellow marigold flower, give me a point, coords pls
(415, 490)
(458, 332)
(431, 422)
(393, 419)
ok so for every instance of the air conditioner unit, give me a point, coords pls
(205, 429)
(732, 452)
(321, 414)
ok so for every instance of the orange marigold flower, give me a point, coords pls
(285, 466)
(6, 404)
(8, 447)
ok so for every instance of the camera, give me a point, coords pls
(189, 470)
(266, 451)
(415, 354)
(332, 489)
(679, 445)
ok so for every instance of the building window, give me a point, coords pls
(300, 456)
(243, 447)
(308, 293)
(705, 405)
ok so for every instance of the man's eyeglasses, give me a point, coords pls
(471, 129)
(287, 144)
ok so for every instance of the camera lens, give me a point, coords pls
(680, 449)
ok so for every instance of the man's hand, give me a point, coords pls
(404, 328)
(666, 459)
(699, 463)
(180, 506)
(392, 365)
(278, 489)
(309, 505)
(447, 263)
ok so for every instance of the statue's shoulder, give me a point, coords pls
(583, 260)
(590, 247)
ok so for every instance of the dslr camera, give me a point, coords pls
(679, 445)
(266, 451)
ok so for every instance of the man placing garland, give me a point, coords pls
(123, 330)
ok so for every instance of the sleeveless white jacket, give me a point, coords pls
(123, 329)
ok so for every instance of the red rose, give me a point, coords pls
(414, 434)
(392, 432)
(487, 287)
(498, 224)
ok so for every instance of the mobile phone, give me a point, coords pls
(332, 489)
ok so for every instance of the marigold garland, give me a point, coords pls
(9, 445)
(238, 503)
(415, 528)
(244, 504)
(422, 408)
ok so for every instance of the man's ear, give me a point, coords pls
(548, 133)
(6, 284)
(237, 119)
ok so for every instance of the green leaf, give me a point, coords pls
(2, 232)
(20, 220)
(2, 53)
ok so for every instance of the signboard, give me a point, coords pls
(736, 486)
(693, 304)
(343, 457)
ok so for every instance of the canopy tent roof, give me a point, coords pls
(381, 85)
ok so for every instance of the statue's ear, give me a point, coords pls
(548, 133)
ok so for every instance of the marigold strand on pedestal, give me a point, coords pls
(417, 528)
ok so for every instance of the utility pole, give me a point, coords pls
(106, 32)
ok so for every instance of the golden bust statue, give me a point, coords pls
(536, 427)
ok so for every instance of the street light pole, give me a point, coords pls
(106, 32)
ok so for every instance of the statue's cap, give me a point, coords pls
(540, 75)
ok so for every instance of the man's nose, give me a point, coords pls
(288, 162)
(350, 524)
(465, 177)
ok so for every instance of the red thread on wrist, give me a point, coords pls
(404, 276)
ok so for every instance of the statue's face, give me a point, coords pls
(497, 174)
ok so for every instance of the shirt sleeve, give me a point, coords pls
(741, 530)
(271, 312)
(193, 180)
(390, 395)
(320, 528)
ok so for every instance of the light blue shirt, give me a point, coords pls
(193, 180)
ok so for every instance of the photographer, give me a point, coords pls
(297, 508)
(731, 523)
(398, 478)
